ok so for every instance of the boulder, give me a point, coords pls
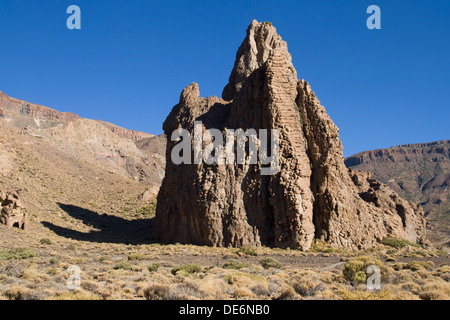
(13, 209)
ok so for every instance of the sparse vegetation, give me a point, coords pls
(247, 251)
(234, 264)
(398, 243)
(419, 265)
(154, 267)
(187, 269)
(199, 278)
(355, 269)
(17, 253)
(148, 211)
(268, 263)
(135, 256)
(123, 265)
(45, 241)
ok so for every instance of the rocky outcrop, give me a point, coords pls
(126, 133)
(13, 210)
(419, 172)
(311, 195)
(24, 113)
(438, 151)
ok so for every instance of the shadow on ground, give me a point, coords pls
(110, 229)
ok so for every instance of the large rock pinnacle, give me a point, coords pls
(311, 195)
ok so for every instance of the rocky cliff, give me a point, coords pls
(419, 172)
(312, 194)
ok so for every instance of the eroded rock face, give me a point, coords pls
(13, 210)
(312, 194)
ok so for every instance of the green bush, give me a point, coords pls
(268, 23)
(17, 253)
(154, 266)
(123, 265)
(135, 256)
(148, 210)
(248, 251)
(234, 264)
(321, 246)
(419, 265)
(45, 241)
(398, 243)
(187, 269)
(355, 269)
(270, 263)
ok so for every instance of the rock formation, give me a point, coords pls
(13, 210)
(312, 195)
(419, 172)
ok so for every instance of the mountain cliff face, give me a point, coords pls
(418, 172)
(312, 195)
(97, 142)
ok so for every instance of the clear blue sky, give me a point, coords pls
(131, 59)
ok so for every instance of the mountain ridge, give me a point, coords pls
(419, 172)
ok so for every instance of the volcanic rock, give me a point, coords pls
(312, 195)
(419, 172)
(13, 210)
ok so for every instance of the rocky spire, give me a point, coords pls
(312, 194)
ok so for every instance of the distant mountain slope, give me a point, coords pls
(96, 142)
(419, 172)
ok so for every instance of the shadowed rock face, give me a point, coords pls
(312, 194)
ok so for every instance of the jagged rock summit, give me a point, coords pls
(313, 195)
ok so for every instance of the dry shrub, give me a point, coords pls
(13, 268)
(307, 285)
(75, 295)
(411, 287)
(17, 292)
(156, 292)
(213, 287)
(34, 275)
(89, 286)
(327, 294)
(420, 265)
(436, 290)
(187, 290)
(106, 292)
(433, 295)
(241, 293)
(287, 293)
(260, 289)
(347, 294)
